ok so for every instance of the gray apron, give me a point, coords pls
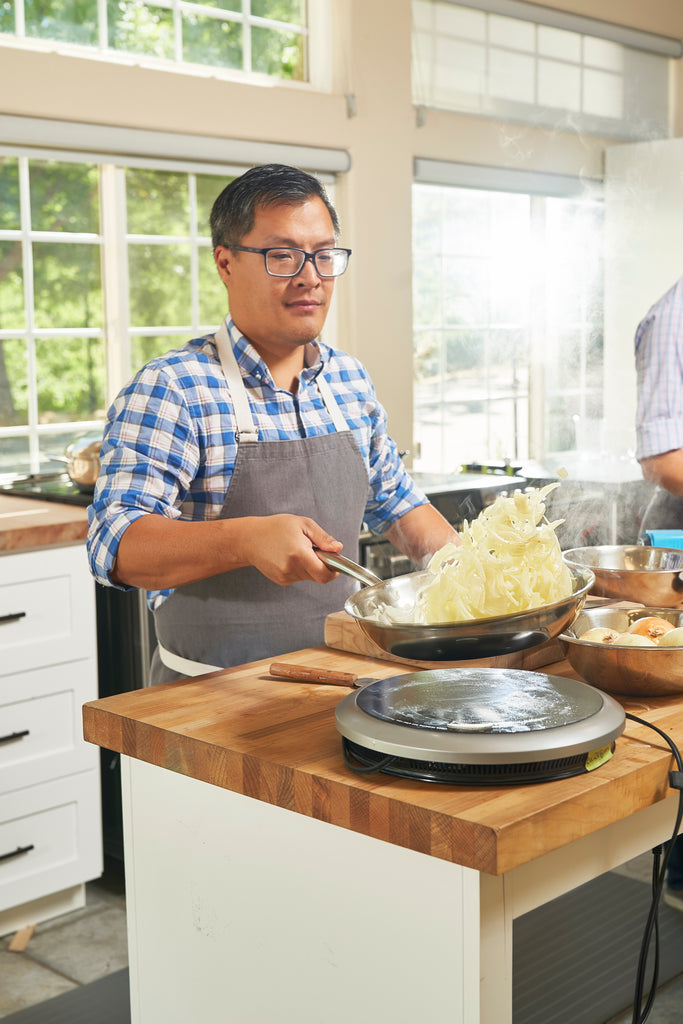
(241, 616)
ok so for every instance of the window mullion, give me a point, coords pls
(103, 25)
(541, 342)
(194, 253)
(27, 270)
(246, 35)
(115, 277)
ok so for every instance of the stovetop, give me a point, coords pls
(48, 487)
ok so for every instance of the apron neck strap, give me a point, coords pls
(246, 428)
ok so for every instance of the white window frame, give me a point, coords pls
(432, 90)
(318, 35)
(107, 148)
(538, 185)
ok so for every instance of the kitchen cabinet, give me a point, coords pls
(50, 815)
(273, 884)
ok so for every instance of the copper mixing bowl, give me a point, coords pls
(644, 575)
(630, 671)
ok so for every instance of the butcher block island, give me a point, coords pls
(271, 883)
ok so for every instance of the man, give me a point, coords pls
(228, 462)
(659, 448)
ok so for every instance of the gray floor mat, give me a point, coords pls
(105, 1001)
(575, 959)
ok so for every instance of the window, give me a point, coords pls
(493, 65)
(266, 37)
(104, 265)
(64, 261)
(507, 324)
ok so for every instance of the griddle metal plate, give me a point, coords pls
(477, 716)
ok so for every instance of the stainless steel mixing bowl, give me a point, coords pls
(629, 671)
(644, 575)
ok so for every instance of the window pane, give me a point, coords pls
(602, 53)
(160, 290)
(64, 197)
(138, 28)
(603, 94)
(465, 221)
(293, 11)
(512, 32)
(426, 291)
(70, 378)
(74, 21)
(209, 187)
(512, 75)
(559, 85)
(56, 444)
(67, 286)
(277, 53)
(558, 42)
(9, 192)
(157, 203)
(13, 383)
(465, 292)
(12, 312)
(208, 41)
(14, 455)
(222, 5)
(144, 349)
(7, 25)
(427, 359)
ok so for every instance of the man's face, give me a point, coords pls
(279, 314)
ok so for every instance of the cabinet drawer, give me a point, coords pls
(49, 838)
(47, 608)
(41, 732)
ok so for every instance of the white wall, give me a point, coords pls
(372, 61)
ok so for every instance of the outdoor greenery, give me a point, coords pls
(67, 294)
(66, 248)
(136, 27)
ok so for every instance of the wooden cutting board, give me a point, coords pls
(343, 633)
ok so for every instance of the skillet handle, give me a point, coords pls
(340, 563)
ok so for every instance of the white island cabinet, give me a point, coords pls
(50, 813)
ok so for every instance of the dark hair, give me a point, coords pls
(233, 213)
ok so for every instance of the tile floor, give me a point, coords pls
(90, 943)
(68, 951)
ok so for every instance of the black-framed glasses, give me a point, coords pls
(284, 262)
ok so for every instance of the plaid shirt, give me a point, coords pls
(659, 366)
(169, 443)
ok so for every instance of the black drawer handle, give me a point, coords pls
(14, 736)
(17, 853)
(12, 617)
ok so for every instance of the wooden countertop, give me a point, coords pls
(26, 523)
(276, 741)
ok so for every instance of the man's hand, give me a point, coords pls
(156, 553)
(283, 549)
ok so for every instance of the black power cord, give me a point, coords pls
(660, 863)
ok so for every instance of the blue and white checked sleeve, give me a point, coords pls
(659, 369)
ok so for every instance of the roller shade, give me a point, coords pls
(199, 153)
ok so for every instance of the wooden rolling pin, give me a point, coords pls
(284, 670)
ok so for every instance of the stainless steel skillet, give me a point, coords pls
(451, 641)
